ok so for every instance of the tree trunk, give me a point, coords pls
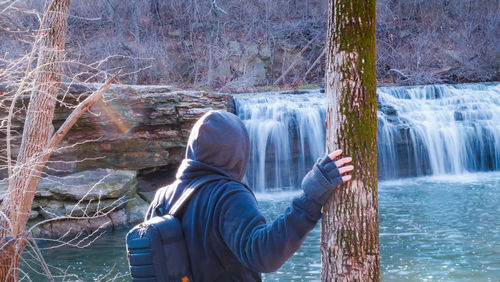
(349, 237)
(137, 39)
(118, 25)
(36, 133)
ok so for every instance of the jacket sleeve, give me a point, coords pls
(264, 248)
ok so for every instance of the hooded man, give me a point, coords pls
(226, 235)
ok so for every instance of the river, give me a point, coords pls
(439, 189)
(431, 229)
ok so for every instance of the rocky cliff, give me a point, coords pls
(132, 127)
(132, 130)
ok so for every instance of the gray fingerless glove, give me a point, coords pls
(320, 182)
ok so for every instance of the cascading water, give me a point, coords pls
(287, 134)
(438, 129)
(422, 130)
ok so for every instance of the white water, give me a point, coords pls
(422, 130)
(446, 129)
(287, 134)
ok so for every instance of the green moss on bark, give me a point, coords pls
(351, 78)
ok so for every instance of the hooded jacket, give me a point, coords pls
(227, 237)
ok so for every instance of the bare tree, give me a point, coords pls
(38, 139)
(137, 39)
(118, 24)
(349, 238)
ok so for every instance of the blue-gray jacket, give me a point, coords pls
(228, 238)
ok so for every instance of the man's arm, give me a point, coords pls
(262, 247)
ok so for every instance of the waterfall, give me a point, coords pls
(287, 134)
(422, 130)
(438, 129)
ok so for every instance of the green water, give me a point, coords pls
(431, 229)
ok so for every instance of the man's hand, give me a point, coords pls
(326, 175)
(341, 164)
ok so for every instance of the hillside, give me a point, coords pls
(239, 46)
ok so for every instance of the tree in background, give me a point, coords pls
(349, 237)
(43, 84)
(172, 42)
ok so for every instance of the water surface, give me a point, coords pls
(434, 228)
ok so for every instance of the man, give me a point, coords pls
(226, 235)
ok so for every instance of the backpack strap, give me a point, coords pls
(158, 204)
(159, 210)
(193, 187)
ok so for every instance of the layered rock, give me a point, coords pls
(132, 127)
(91, 179)
(85, 202)
(95, 185)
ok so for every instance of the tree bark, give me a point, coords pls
(36, 133)
(349, 237)
(137, 39)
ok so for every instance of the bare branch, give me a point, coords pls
(73, 117)
(34, 246)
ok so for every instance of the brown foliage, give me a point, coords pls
(194, 44)
(421, 42)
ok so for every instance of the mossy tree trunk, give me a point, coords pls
(36, 133)
(349, 235)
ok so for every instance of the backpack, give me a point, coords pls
(156, 248)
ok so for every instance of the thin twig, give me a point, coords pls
(40, 256)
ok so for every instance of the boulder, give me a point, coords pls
(71, 227)
(258, 74)
(85, 202)
(147, 195)
(118, 218)
(251, 50)
(33, 214)
(49, 208)
(74, 227)
(88, 185)
(223, 70)
(136, 210)
(55, 208)
(264, 52)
